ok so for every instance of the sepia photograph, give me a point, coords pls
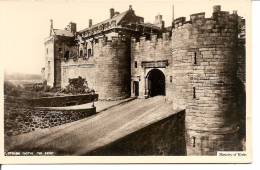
(127, 81)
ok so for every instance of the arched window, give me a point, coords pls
(89, 52)
(81, 53)
(67, 55)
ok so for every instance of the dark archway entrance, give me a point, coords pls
(156, 83)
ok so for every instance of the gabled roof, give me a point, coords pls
(63, 33)
(118, 18)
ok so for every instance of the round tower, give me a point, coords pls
(204, 84)
(113, 68)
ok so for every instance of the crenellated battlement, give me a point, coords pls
(105, 41)
(153, 40)
(219, 19)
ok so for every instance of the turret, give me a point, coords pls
(204, 84)
(112, 12)
(51, 26)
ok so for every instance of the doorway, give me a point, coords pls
(136, 88)
(156, 83)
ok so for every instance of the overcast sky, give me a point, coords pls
(25, 23)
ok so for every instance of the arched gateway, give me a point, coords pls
(156, 83)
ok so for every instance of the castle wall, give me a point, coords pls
(106, 69)
(79, 67)
(241, 60)
(204, 81)
(49, 61)
(165, 137)
(144, 50)
(203, 63)
(113, 68)
(61, 46)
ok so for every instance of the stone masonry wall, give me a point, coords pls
(60, 101)
(79, 67)
(49, 61)
(241, 59)
(204, 71)
(155, 49)
(165, 137)
(25, 119)
(107, 71)
(113, 68)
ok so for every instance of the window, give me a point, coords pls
(67, 55)
(89, 52)
(195, 58)
(60, 50)
(81, 53)
(194, 93)
(49, 65)
(171, 79)
(46, 50)
(135, 64)
(193, 141)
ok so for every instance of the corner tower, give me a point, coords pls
(204, 84)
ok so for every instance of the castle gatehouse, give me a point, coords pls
(194, 63)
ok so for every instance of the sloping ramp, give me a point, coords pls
(83, 136)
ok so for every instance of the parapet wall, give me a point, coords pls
(28, 119)
(153, 48)
(204, 72)
(61, 101)
(165, 137)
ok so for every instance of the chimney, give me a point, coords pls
(72, 27)
(216, 8)
(130, 8)
(112, 12)
(90, 23)
(51, 26)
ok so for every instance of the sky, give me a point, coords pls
(25, 23)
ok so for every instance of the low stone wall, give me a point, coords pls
(20, 120)
(166, 137)
(60, 101)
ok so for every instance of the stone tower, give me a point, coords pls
(113, 67)
(204, 84)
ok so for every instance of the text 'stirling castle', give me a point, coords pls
(199, 65)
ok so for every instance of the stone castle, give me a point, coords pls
(198, 65)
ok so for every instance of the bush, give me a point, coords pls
(11, 90)
(77, 86)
